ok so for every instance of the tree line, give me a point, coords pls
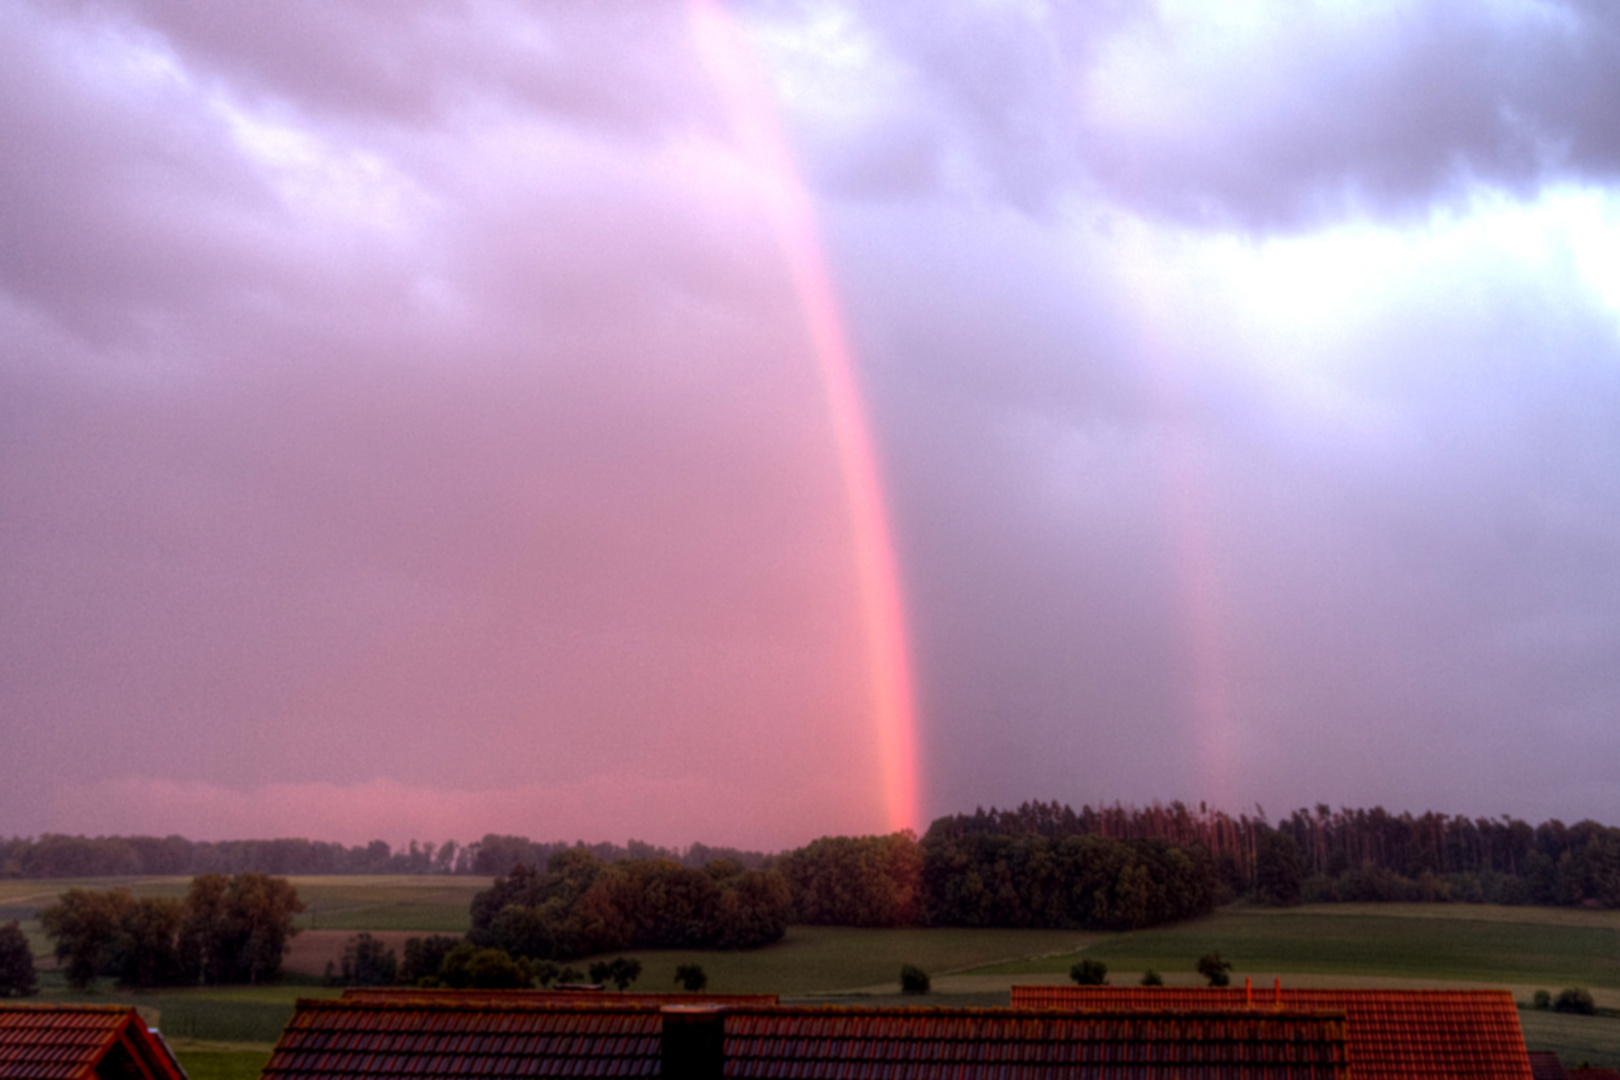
(580, 905)
(56, 855)
(1351, 855)
(1313, 855)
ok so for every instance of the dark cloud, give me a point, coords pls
(1271, 117)
(1334, 113)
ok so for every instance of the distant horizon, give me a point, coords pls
(684, 847)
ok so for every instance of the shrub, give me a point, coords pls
(692, 977)
(914, 980)
(1212, 967)
(469, 967)
(1152, 978)
(1542, 1000)
(1089, 973)
(1574, 999)
(620, 971)
(423, 957)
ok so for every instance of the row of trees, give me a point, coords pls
(580, 904)
(225, 930)
(55, 855)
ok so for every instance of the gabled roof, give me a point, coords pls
(360, 1038)
(80, 1042)
(1461, 1034)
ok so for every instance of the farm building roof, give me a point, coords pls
(368, 1037)
(81, 1042)
(1462, 1034)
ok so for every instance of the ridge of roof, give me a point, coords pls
(609, 1006)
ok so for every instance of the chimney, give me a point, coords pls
(693, 1043)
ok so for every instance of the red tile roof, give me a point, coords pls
(438, 1038)
(965, 1044)
(1472, 1034)
(79, 1042)
(424, 1039)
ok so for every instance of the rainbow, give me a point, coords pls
(748, 98)
(1194, 569)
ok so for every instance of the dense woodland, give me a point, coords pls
(1041, 864)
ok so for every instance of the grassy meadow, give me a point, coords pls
(1550, 947)
(226, 1033)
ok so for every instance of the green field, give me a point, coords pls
(221, 1061)
(1323, 939)
(226, 1033)
(430, 904)
(814, 960)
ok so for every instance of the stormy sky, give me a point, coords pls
(413, 425)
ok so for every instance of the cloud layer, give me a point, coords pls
(407, 420)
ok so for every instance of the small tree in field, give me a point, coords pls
(1215, 969)
(692, 977)
(1152, 978)
(16, 963)
(1089, 973)
(914, 980)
